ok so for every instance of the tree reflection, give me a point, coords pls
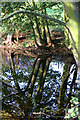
(44, 91)
(63, 86)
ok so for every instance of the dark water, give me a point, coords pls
(37, 88)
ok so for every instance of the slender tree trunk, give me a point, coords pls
(14, 75)
(48, 33)
(32, 71)
(43, 72)
(63, 86)
(45, 28)
(34, 76)
(36, 26)
(32, 24)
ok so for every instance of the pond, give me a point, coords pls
(37, 87)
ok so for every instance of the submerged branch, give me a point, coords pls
(41, 113)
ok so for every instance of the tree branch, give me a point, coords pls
(37, 14)
(33, 13)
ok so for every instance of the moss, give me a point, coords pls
(71, 11)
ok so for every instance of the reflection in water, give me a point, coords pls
(37, 88)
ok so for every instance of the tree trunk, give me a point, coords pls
(36, 25)
(63, 87)
(72, 18)
(45, 29)
(43, 71)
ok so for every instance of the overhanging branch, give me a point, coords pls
(33, 13)
(37, 14)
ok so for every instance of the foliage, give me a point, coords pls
(73, 112)
(22, 22)
(19, 21)
(56, 12)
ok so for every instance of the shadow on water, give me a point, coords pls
(37, 88)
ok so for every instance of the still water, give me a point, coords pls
(37, 87)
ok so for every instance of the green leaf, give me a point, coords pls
(79, 117)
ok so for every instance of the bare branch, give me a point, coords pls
(33, 13)
(41, 15)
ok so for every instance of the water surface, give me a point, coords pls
(37, 88)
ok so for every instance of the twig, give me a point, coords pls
(41, 113)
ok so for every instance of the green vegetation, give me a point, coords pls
(37, 21)
(40, 28)
(73, 112)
